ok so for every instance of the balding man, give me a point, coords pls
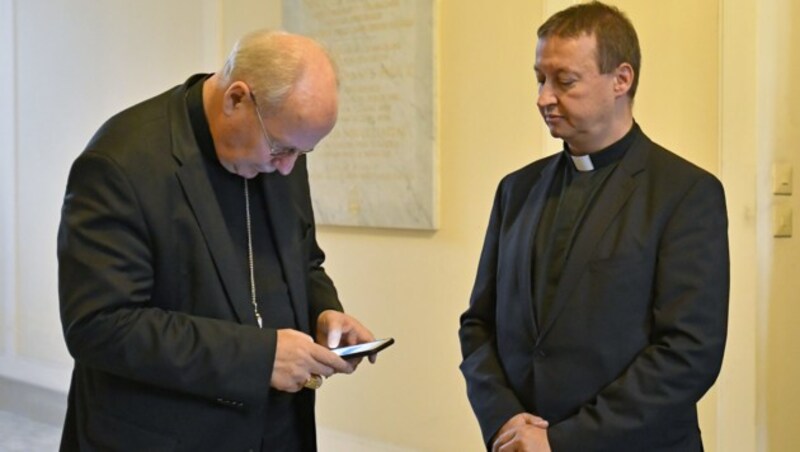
(190, 279)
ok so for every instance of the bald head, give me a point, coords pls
(274, 62)
(276, 91)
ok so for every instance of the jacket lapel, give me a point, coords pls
(530, 215)
(619, 186)
(287, 231)
(197, 188)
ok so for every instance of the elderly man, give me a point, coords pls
(191, 283)
(599, 313)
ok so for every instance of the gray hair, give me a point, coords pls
(270, 62)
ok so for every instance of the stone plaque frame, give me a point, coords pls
(379, 166)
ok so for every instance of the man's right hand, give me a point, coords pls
(297, 358)
(504, 436)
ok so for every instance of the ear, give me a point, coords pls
(623, 79)
(235, 96)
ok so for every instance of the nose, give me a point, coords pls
(285, 164)
(546, 97)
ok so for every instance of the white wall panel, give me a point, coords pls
(7, 176)
(76, 62)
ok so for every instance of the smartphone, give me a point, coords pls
(367, 348)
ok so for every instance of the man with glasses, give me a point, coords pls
(192, 292)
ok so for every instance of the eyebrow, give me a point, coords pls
(558, 72)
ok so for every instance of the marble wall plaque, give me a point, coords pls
(378, 168)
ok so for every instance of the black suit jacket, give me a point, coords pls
(636, 330)
(168, 355)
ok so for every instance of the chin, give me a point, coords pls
(247, 173)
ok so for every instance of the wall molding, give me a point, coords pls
(44, 374)
(737, 414)
(8, 192)
(33, 402)
(330, 439)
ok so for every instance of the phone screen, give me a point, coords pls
(353, 351)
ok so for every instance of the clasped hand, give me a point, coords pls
(298, 357)
(523, 432)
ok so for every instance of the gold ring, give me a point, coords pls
(313, 382)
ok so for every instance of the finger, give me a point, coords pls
(536, 420)
(496, 445)
(516, 420)
(321, 369)
(373, 358)
(329, 328)
(322, 328)
(355, 361)
(354, 331)
(342, 366)
(334, 336)
(360, 333)
(509, 446)
(349, 336)
(502, 440)
(327, 358)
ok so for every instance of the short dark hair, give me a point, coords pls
(616, 38)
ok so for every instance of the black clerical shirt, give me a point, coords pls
(571, 195)
(274, 304)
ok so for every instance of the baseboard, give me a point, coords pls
(34, 402)
(49, 407)
(335, 440)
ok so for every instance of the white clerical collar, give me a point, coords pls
(583, 163)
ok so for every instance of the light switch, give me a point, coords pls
(782, 221)
(782, 179)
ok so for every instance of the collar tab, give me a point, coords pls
(583, 163)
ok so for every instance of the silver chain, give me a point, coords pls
(250, 254)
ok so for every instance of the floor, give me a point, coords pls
(21, 434)
(31, 420)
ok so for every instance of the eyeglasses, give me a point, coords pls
(274, 150)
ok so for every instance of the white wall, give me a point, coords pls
(779, 109)
(69, 65)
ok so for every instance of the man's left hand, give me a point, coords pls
(522, 438)
(337, 329)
